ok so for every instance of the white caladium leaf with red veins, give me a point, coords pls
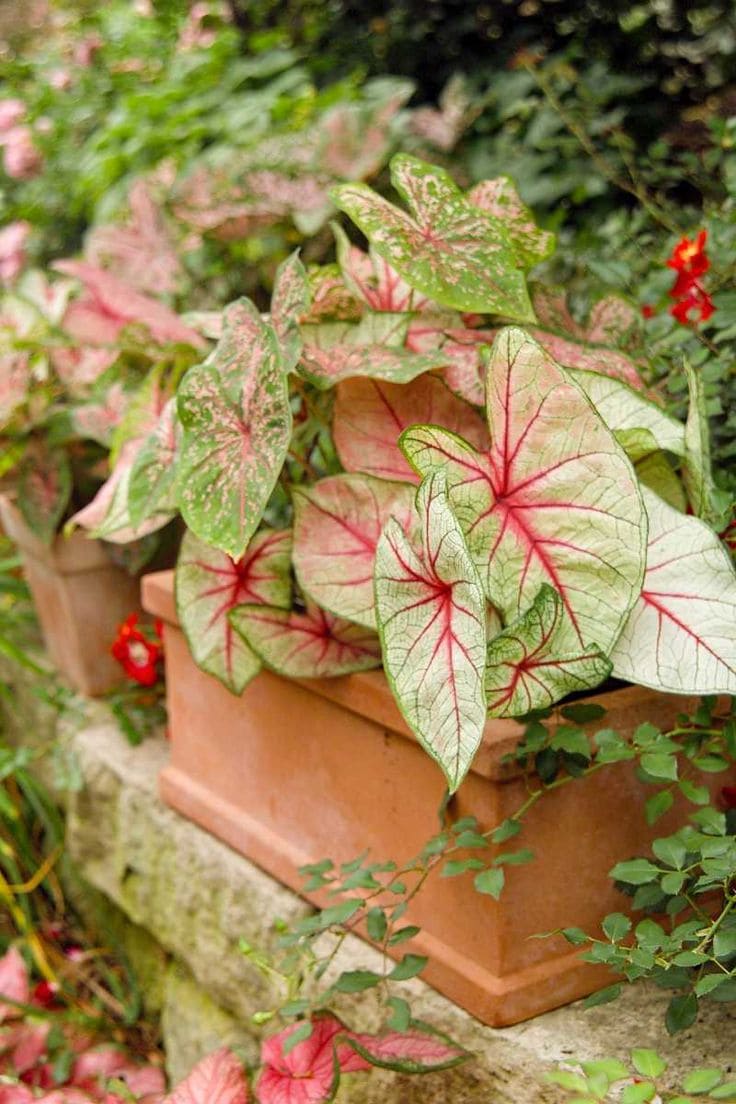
(529, 665)
(235, 413)
(680, 634)
(209, 584)
(335, 351)
(290, 302)
(416, 1050)
(500, 198)
(451, 251)
(372, 279)
(431, 614)
(370, 415)
(152, 483)
(554, 500)
(337, 525)
(217, 1079)
(623, 409)
(314, 644)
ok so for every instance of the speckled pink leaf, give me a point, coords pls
(550, 307)
(234, 409)
(355, 138)
(370, 415)
(453, 252)
(529, 665)
(462, 349)
(431, 614)
(573, 354)
(332, 300)
(217, 1079)
(680, 634)
(14, 382)
(140, 253)
(107, 515)
(500, 198)
(44, 488)
(289, 304)
(152, 483)
(444, 127)
(14, 982)
(337, 523)
(79, 368)
(612, 321)
(554, 500)
(314, 644)
(374, 348)
(414, 1051)
(209, 584)
(98, 418)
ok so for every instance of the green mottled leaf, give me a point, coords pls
(500, 199)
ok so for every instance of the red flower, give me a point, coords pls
(693, 299)
(690, 262)
(728, 796)
(137, 654)
(647, 311)
(689, 258)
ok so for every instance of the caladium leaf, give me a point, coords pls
(612, 321)
(554, 500)
(99, 418)
(443, 128)
(15, 379)
(141, 253)
(623, 408)
(289, 304)
(44, 488)
(530, 665)
(107, 516)
(234, 409)
(14, 983)
(573, 354)
(209, 584)
(337, 524)
(372, 279)
(217, 1079)
(654, 470)
(680, 634)
(696, 469)
(462, 347)
(453, 252)
(151, 488)
(313, 644)
(417, 1050)
(500, 199)
(431, 614)
(334, 351)
(370, 415)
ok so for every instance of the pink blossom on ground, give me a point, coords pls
(21, 159)
(13, 238)
(11, 113)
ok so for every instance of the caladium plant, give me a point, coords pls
(500, 515)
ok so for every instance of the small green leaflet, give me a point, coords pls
(455, 253)
(431, 613)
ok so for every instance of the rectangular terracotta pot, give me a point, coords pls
(80, 597)
(293, 772)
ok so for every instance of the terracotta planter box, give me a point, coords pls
(293, 772)
(80, 598)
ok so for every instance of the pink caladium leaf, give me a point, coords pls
(308, 1071)
(554, 500)
(107, 516)
(289, 304)
(152, 484)
(451, 251)
(235, 413)
(313, 644)
(335, 351)
(17, 1094)
(372, 279)
(419, 1049)
(573, 354)
(356, 138)
(98, 418)
(370, 415)
(337, 524)
(331, 298)
(613, 321)
(80, 368)
(627, 412)
(44, 488)
(680, 634)
(209, 584)
(141, 253)
(500, 198)
(431, 614)
(117, 305)
(529, 665)
(444, 127)
(14, 983)
(217, 1079)
(15, 379)
(462, 350)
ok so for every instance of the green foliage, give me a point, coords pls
(645, 1079)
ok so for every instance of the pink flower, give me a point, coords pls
(21, 159)
(306, 1075)
(60, 79)
(11, 113)
(13, 238)
(86, 50)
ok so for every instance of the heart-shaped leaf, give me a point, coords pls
(337, 524)
(529, 665)
(314, 644)
(44, 488)
(235, 412)
(372, 279)
(209, 584)
(107, 516)
(452, 251)
(431, 614)
(554, 500)
(370, 415)
(217, 1079)
(153, 475)
(289, 304)
(623, 408)
(335, 351)
(500, 199)
(417, 1050)
(680, 634)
